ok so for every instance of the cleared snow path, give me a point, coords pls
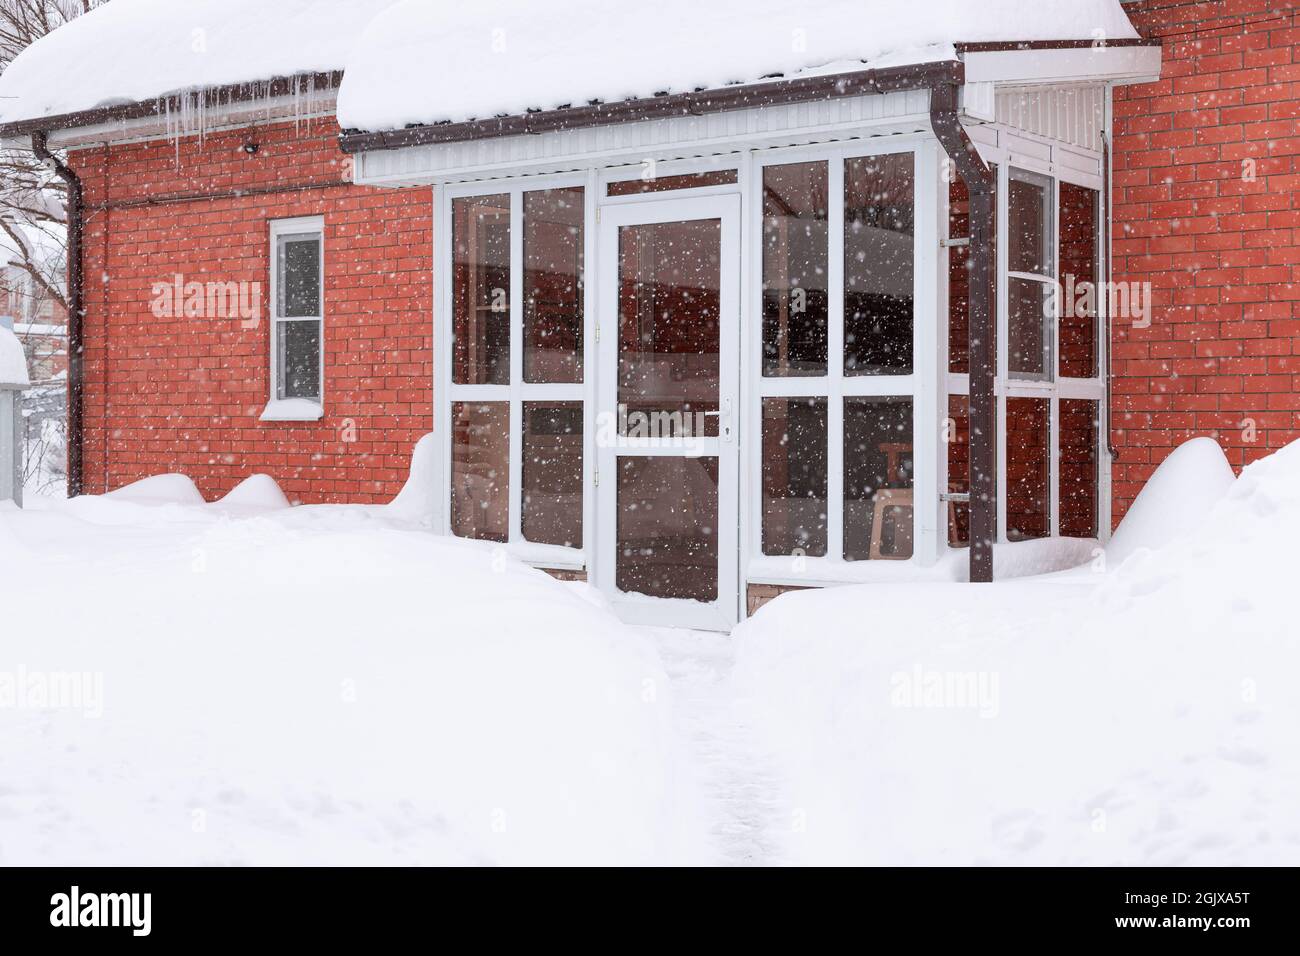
(747, 808)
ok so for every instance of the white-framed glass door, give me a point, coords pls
(668, 381)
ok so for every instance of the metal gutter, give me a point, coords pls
(982, 403)
(76, 309)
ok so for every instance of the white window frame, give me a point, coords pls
(517, 392)
(836, 387)
(1058, 388)
(293, 409)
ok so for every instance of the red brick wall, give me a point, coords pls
(1207, 209)
(184, 394)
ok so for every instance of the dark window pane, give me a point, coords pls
(1078, 467)
(878, 506)
(300, 280)
(1029, 332)
(661, 184)
(1029, 223)
(481, 290)
(299, 359)
(1028, 469)
(959, 266)
(878, 265)
(957, 437)
(553, 279)
(794, 475)
(669, 281)
(668, 527)
(1079, 211)
(795, 267)
(552, 473)
(480, 470)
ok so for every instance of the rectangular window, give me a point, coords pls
(1028, 477)
(796, 218)
(1079, 211)
(837, 455)
(553, 275)
(1031, 267)
(298, 303)
(878, 265)
(956, 435)
(878, 478)
(667, 527)
(516, 398)
(481, 290)
(480, 470)
(552, 473)
(1079, 434)
(794, 476)
(663, 184)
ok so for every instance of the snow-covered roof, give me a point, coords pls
(135, 50)
(422, 62)
(13, 363)
(412, 62)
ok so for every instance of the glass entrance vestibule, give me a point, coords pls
(688, 380)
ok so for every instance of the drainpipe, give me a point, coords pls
(76, 306)
(981, 186)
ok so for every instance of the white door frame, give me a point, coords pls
(723, 613)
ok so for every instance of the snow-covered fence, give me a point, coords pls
(13, 379)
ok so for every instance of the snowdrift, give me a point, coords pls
(317, 686)
(1141, 716)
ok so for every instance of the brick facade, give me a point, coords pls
(185, 393)
(1207, 209)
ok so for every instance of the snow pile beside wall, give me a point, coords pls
(1141, 716)
(134, 50)
(1180, 493)
(506, 56)
(316, 686)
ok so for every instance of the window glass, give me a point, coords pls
(1028, 469)
(481, 290)
(957, 436)
(298, 361)
(878, 265)
(794, 476)
(1079, 307)
(795, 269)
(667, 527)
(1029, 223)
(1030, 306)
(480, 470)
(662, 184)
(1080, 429)
(552, 473)
(299, 283)
(878, 478)
(553, 284)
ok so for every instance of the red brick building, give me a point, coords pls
(1207, 209)
(264, 294)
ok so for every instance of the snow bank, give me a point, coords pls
(1180, 493)
(255, 493)
(131, 50)
(13, 362)
(418, 500)
(507, 56)
(161, 490)
(318, 685)
(1141, 716)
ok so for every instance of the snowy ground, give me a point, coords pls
(245, 683)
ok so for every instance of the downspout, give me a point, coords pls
(981, 186)
(76, 307)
